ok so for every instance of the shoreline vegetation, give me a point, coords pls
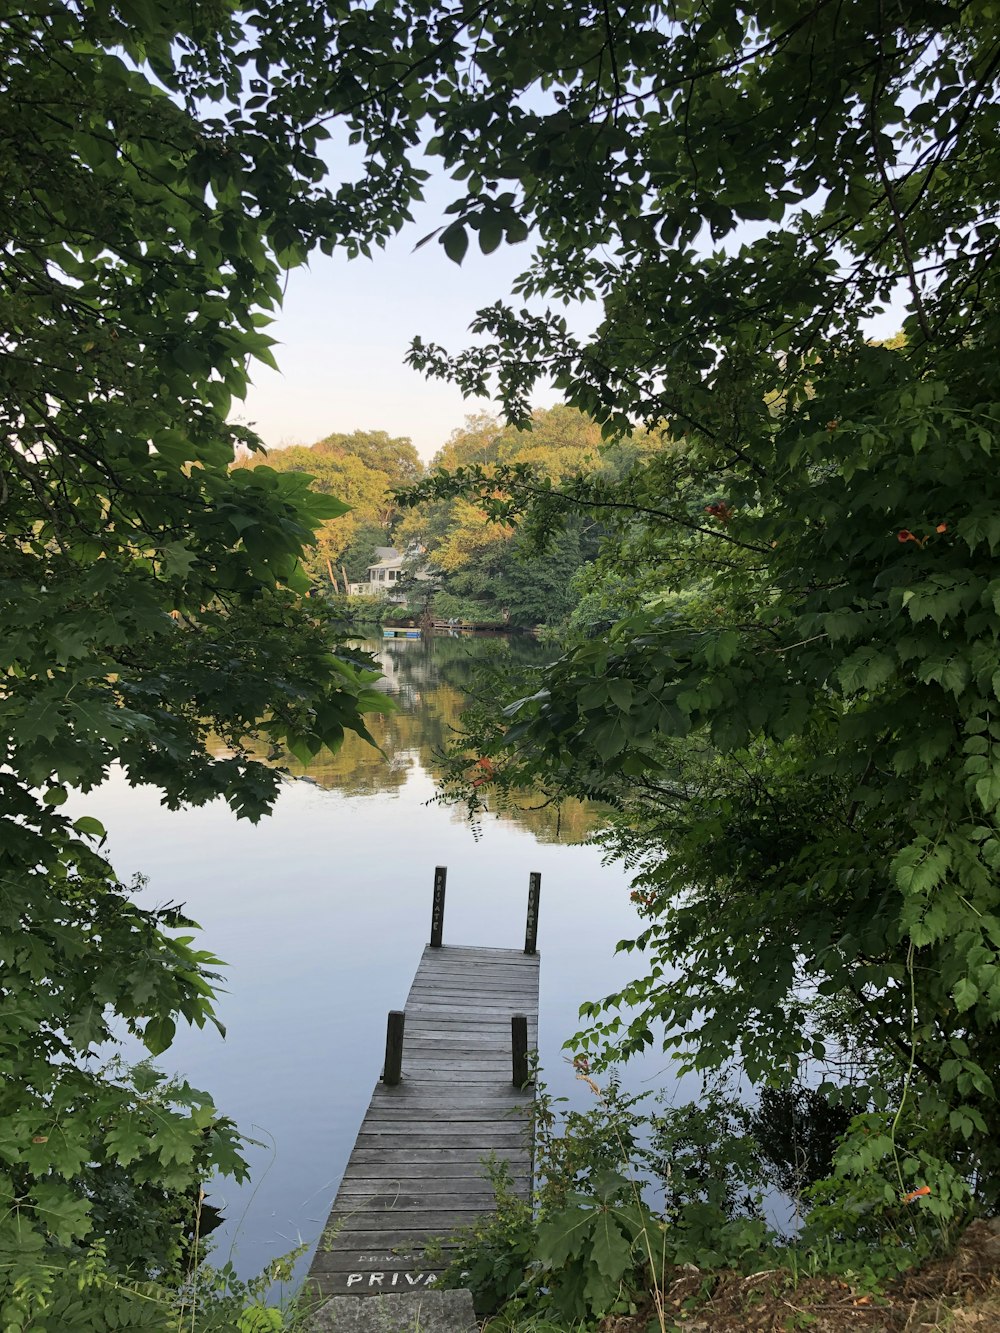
(603, 1255)
(460, 565)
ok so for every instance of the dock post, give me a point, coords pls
(519, 1050)
(437, 907)
(393, 1070)
(531, 929)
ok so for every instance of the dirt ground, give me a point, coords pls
(960, 1294)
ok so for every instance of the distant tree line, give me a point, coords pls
(485, 571)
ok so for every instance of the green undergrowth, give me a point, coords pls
(81, 1292)
(632, 1194)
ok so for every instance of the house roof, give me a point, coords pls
(391, 558)
(395, 561)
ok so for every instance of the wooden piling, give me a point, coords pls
(393, 1070)
(437, 906)
(521, 1075)
(531, 927)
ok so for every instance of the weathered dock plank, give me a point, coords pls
(417, 1171)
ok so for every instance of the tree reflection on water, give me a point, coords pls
(430, 679)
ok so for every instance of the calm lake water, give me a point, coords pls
(321, 913)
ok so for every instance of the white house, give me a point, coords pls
(387, 572)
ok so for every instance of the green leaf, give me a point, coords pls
(567, 1233)
(966, 994)
(61, 1211)
(609, 1184)
(128, 1140)
(455, 240)
(90, 827)
(607, 738)
(988, 791)
(621, 693)
(158, 1034)
(599, 1291)
(490, 234)
(177, 559)
(918, 870)
(955, 676)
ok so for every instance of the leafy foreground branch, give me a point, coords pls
(150, 597)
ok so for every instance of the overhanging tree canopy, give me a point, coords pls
(149, 596)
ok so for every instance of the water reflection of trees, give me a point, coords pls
(430, 679)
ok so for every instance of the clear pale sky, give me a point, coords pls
(346, 325)
(345, 328)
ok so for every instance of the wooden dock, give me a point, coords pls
(454, 1093)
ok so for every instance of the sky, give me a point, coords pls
(345, 328)
(346, 325)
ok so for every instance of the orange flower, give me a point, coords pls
(916, 1194)
(941, 527)
(487, 770)
(905, 535)
(720, 510)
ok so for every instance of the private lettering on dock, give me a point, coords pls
(376, 1279)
